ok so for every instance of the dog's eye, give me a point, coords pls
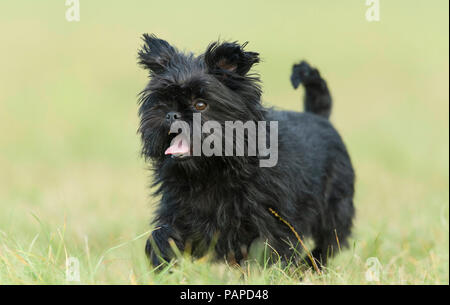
(200, 106)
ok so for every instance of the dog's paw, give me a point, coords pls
(154, 257)
(303, 73)
(158, 249)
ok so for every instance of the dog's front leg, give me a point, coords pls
(159, 248)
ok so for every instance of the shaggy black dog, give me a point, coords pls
(224, 203)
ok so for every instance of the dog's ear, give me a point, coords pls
(155, 54)
(229, 58)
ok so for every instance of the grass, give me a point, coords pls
(72, 183)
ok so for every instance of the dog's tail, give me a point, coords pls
(317, 96)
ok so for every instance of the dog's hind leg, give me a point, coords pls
(333, 235)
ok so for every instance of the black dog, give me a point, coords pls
(225, 203)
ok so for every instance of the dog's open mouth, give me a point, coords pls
(179, 147)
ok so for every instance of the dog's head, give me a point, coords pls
(216, 84)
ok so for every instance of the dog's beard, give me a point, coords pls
(174, 149)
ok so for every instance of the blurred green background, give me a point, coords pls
(72, 182)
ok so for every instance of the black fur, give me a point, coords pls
(223, 202)
(317, 98)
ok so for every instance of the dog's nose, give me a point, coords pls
(172, 116)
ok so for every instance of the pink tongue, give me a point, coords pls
(179, 145)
